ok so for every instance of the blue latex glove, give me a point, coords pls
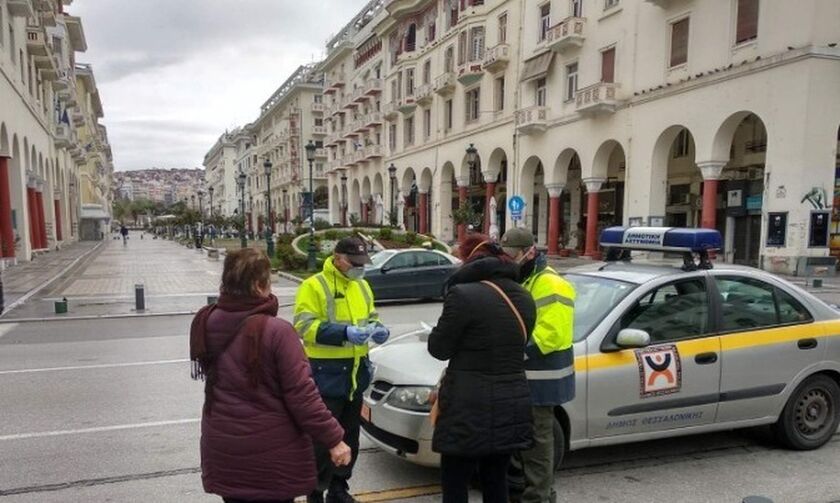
(357, 335)
(380, 334)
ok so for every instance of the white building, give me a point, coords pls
(219, 195)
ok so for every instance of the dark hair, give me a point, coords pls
(246, 272)
(476, 246)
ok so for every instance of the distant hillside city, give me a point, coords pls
(166, 186)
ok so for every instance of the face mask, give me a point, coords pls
(355, 273)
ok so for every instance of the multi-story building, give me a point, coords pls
(220, 195)
(55, 162)
(713, 113)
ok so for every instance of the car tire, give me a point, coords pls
(559, 445)
(811, 415)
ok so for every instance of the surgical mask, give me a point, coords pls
(355, 273)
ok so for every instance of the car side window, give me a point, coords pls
(678, 310)
(748, 303)
(428, 259)
(401, 261)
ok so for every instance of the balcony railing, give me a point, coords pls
(424, 94)
(399, 8)
(532, 120)
(20, 8)
(333, 83)
(63, 137)
(320, 153)
(373, 151)
(597, 98)
(319, 108)
(319, 130)
(496, 58)
(390, 109)
(445, 83)
(470, 72)
(373, 87)
(566, 34)
(373, 119)
(407, 104)
(36, 41)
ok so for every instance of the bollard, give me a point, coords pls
(212, 299)
(2, 297)
(817, 282)
(139, 297)
(61, 306)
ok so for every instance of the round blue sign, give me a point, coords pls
(516, 204)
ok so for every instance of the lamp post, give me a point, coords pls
(269, 240)
(211, 190)
(310, 255)
(392, 173)
(201, 203)
(250, 212)
(243, 240)
(285, 213)
(344, 198)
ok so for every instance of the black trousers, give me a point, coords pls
(457, 472)
(234, 500)
(348, 413)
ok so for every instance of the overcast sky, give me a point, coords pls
(174, 74)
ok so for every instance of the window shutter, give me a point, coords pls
(608, 66)
(679, 42)
(747, 28)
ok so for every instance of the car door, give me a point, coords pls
(767, 339)
(671, 383)
(398, 276)
(432, 270)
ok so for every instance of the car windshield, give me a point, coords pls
(379, 258)
(595, 298)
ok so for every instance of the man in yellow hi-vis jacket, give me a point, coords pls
(335, 317)
(549, 363)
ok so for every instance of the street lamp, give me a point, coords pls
(472, 155)
(201, 203)
(211, 190)
(250, 211)
(243, 240)
(285, 213)
(269, 240)
(344, 198)
(310, 257)
(392, 173)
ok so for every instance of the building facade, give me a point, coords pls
(55, 161)
(720, 114)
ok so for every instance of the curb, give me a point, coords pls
(31, 293)
(290, 277)
(97, 317)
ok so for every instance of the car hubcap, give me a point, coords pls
(813, 412)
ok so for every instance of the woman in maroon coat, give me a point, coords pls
(262, 409)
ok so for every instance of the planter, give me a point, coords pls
(565, 252)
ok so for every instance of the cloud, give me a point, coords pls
(174, 74)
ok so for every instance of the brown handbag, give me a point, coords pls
(434, 414)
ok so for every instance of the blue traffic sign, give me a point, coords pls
(516, 204)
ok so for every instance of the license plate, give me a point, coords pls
(366, 413)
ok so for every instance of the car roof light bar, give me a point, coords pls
(619, 241)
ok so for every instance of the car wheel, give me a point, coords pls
(810, 417)
(559, 445)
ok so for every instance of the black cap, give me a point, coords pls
(355, 250)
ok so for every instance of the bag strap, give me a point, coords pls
(512, 307)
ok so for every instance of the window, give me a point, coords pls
(401, 261)
(429, 259)
(609, 4)
(449, 59)
(571, 81)
(577, 8)
(540, 92)
(679, 42)
(411, 38)
(447, 114)
(318, 98)
(748, 303)
(672, 312)
(477, 43)
(409, 82)
(608, 65)
(427, 71)
(500, 94)
(503, 28)
(452, 14)
(473, 101)
(427, 123)
(545, 20)
(681, 144)
(462, 48)
(408, 129)
(319, 121)
(12, 50)
(747, 21)
(392, 137)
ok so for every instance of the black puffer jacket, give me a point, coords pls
(485, 402)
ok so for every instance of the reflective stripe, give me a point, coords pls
(328, 296)
(335, 352)
(300, 317)
(548, 375)
(305, 326)
(550, 299)
(365, 293)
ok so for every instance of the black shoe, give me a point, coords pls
(315, 497)
(340, 496)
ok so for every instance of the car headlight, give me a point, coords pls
(414, 398)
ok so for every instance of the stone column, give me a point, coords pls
(424, 212)
(593, 185)
(58, 233)
(34, 239)
(490, 181)
(711, 171)
(555, 190)
(463, 183)
(7, 233)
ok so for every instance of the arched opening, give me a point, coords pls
(408, 201)
(367, 202)
(424, 198)
(321, 201)
(610, 164)
(355, 202)
(378, 200)
(335, 200)
(532, 187)
(497, 170)
(448, 201)
(675, 182)
(568, 176)
(834, 241)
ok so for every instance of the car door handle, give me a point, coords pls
(705, 358)
(806, 343)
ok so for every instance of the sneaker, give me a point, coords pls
(315, 497)
(340, 496)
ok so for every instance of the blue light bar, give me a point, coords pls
(665, 239)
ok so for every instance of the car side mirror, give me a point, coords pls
(385, 268)
(632, 338)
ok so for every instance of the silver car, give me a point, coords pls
(659, 352)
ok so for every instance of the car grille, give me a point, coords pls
(401, 444)
(379, 390)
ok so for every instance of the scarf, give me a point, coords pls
(255, 310)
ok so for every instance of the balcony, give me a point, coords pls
(597, 98)
(424, 94)
(68, 96)
(566, 34)
(319, 130)
(662, 4)
(399, 8)
(407, 104)
(336, 109)
(63, 136)
(48, 67)
(373, 152)
(532, 120)
(445, 84)
(333, 83)
(389, 110)
(20, 8)
(358, 156)
(320, 153)
(36, 41)
(336, 164)
(349, 104)
(360, 126)
(373, 87)
(496, 58)
(350, 131)
(470, 72)
(359, 95)
(319, 108)
(373, 119)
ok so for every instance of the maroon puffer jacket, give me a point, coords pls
(256, 443)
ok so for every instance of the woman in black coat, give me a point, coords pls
(485, 402)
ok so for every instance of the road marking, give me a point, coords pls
(99, 429)
(88, 367)
(5, 329)
(398, 494)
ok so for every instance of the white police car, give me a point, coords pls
(660, 350)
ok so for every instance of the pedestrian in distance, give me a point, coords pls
(124, 234)
(336, 318)
(484, 404)
(261, 409)
(549, 365)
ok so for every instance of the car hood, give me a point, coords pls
(405, 360)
